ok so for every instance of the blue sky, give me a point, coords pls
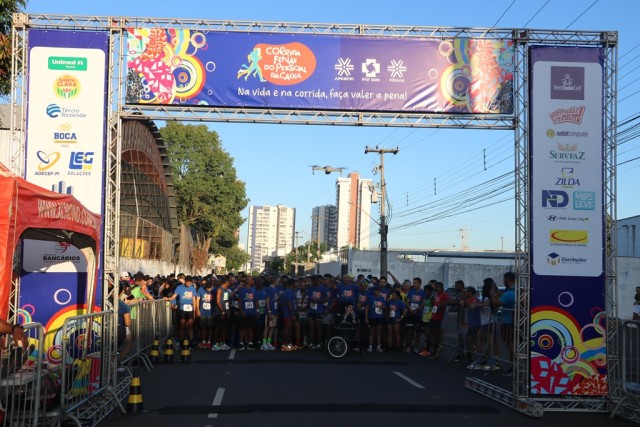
(275, 160)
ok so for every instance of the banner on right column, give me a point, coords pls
(568, 330)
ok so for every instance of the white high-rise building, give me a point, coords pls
(271, 231)
(324, 225)
(353, 196)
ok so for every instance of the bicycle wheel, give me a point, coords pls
(337, 347)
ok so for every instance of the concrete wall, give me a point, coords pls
(445, 269)
(150, 267)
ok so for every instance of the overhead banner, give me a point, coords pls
(568, 330)
(305, 71)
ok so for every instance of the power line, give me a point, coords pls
(536, 14)
(579, 16)
(503, 13)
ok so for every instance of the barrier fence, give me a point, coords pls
(150, 320)
(479, 336)
(629, 404)
(21, 401)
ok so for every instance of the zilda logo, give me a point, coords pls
(287, 64)
(66, 86)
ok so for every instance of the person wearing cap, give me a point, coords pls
(376, 310)
(124, 322)
(125, 276)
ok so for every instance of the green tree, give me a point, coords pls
(7, 9)
(209, 195)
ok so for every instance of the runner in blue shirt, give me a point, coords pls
(347, 298)
(375, 312)
(261, 297)
(288, 300)
(248, 304)
(223, 311)
(185, 297)
(415, 304)
(204, 310)
(396, 311)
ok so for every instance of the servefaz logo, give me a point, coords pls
(81, 160)
(554, 199)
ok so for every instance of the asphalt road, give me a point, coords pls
(309, 388)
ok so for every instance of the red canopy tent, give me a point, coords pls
(28, 211)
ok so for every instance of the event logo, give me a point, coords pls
(66, 86)
(81, 160)
(566, 179)
(397, 70)
(584, 200)
(287, 64)
(565, 133)
(65, 135)
(569, 237)
(53, 110)
(567, 83)
(568, 115)
(371, 69)
(47, 161)
(344, 67)
(554, 199)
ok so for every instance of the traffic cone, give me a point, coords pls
(154, 355)
(185, 352)
(134, 404)
(168, 350)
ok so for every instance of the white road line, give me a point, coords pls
(409, 380)
(217, 400)
(232, 354)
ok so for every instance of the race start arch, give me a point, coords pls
(76, 78)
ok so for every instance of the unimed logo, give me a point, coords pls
(567, 83)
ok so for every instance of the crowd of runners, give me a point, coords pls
(268, 313)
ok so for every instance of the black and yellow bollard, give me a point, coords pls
(134, 404)
(168, 350)
(154, 354)
(185, 352)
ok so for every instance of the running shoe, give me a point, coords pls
(379, 349)
(225, 347)
(270, 346)
(425, 353)
(370, 349)
(250, 346)
(286, 348)
(241, 346)
(216, 347)
(264, 347)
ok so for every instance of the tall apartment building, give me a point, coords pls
(324, 225)
(353, 195)
(271, 231)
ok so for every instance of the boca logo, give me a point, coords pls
(66, 86)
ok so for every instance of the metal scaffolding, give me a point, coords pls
(519, 122)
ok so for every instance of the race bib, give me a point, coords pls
(236, 304)
(378, 310)
(248, 305)
(226, 306)
(275, 305)
(206, 306)
(414, 306)
(435, 310)
(187, 307)
(392, 313)
(314, 306)
(261, 303)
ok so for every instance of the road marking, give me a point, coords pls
(217, 400)
(409, 380)
(232, 354)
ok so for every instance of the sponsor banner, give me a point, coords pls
(568, 330)
(304, 71)
(66, 113)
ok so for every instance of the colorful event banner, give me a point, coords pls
(568, 330)
(305, 71)
(66, 128)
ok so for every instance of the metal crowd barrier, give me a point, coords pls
(150, 320)
(87, 366)
(629, 405)
(479, 337)
(22, 402)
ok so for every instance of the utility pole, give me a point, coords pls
(383, 219)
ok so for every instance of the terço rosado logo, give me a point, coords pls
(67, 86)
(286, 64)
